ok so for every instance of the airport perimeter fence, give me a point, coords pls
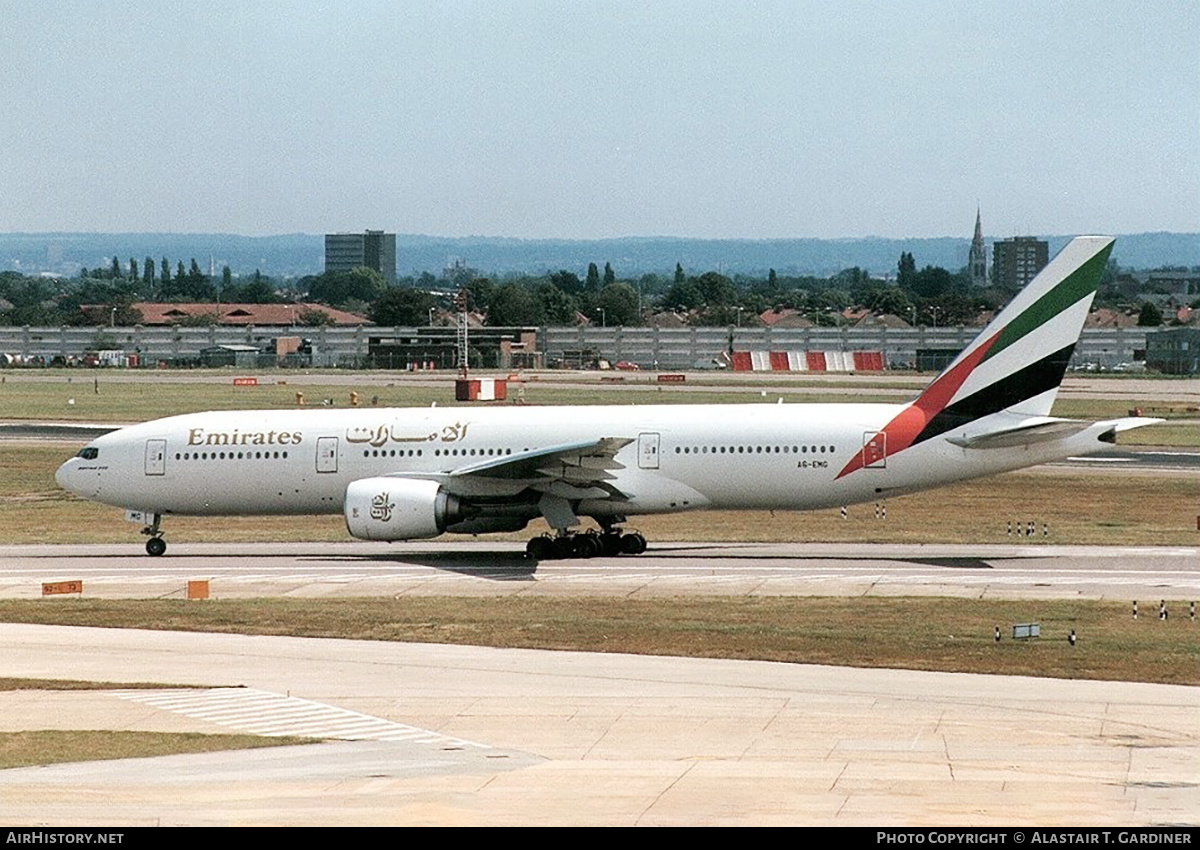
(672, 349)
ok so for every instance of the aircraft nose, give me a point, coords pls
(63, 475)
(72, 480)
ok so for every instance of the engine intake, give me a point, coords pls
(398, 509)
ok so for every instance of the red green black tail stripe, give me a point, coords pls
(1025, 373)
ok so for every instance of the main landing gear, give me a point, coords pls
(155, 546)
(585, 544)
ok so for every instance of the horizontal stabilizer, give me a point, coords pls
(1047, 429)
(1041, 430)
(1128, 423)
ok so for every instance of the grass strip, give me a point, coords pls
(23, 684)
(53, 746)
(916, 633)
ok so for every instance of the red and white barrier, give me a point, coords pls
(808, 361)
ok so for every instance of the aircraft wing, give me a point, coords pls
(580, 470)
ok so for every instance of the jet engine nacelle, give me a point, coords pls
(398, 509)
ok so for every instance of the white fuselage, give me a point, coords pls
(680, 457)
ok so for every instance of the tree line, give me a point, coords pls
(928, 296)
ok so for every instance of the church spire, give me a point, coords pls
(977, 258)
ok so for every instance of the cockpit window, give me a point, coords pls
(89, 453)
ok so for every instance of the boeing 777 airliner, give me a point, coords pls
(405, 474)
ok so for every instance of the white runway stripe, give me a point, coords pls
(274, 715)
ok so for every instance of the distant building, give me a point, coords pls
(1182, 284)
(244, 356)
(373, 249)
(1017, 261)
(1174, 352)
(457, 271)
(437, 348)
(977, 258)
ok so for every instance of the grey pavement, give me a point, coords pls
(580, 739)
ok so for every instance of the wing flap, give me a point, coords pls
(575, 473)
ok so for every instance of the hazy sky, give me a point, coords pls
(600, 119)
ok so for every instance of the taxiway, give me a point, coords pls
(1015, 570)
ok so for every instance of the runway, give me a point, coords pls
(1012, 571)
(523, 737)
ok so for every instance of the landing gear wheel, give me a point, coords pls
(587, 546)
(633, 544)
(610, 543)
(540, 548)
(564, 547)
(155, 546)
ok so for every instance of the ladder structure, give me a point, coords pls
(460, 304)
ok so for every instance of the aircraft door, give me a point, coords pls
(156, 457)
(648, 450)
(327, 454)
(874, 450)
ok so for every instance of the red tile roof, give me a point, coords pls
(241, 314)
(785, 318)
(1103, 317)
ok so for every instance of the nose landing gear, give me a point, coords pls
(155, 546)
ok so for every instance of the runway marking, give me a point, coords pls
(275, 715)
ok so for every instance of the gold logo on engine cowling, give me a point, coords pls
(381, 508)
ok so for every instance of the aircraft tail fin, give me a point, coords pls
(1016, 364)
(1019, 359)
